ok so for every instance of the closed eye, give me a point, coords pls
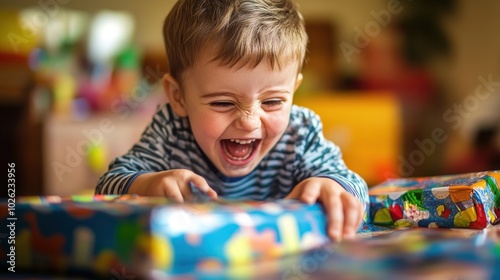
(273, 104)
(221, 104)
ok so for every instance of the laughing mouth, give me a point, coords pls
(239, 149)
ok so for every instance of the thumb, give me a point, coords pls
(199, 187)
(306, 191)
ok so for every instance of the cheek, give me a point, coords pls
(206, 127)
(277, 124)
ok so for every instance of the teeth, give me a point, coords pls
(243, 142)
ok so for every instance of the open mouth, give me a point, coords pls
(239, 149)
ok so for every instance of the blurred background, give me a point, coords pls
(405, 88)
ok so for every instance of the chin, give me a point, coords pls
(237, 173)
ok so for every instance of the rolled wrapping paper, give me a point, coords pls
(102, 234)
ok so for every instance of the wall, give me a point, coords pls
(473, 28)
(472, 31)
(476, 39)
(150, 14)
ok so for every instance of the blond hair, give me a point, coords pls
(242, 32)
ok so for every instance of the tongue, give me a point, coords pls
(237, 150)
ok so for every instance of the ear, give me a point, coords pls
(174, 94)
(300, 77)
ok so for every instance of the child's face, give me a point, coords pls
(237, 114)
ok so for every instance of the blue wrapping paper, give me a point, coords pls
(107, 234)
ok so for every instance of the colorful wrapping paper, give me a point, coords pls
(415, 253)
(456, 201)
(132, 237)
(411, 253)
(124, 237)
(118, 235)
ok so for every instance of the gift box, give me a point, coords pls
(132, 235)
(455, 201)
(412, 253)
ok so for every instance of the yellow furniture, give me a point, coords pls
(365, 125)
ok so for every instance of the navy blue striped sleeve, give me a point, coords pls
(319, 157)
(148, 155)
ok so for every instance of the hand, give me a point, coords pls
(344, 211)
(173, 184)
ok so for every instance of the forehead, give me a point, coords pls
(207, 62)
(210, 58)
(208, 75)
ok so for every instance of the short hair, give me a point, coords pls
(242, 32)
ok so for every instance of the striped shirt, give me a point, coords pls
(302, 152)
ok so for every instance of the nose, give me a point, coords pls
(248, 121)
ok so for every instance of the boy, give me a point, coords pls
(230, 127)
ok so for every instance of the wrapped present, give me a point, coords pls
(456, 201)
(132, 235)
(412, 253)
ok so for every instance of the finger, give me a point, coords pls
(175, 195)
(310, 192)
(201, 184)
(335, 219)
(351, 215)
(295, 193)
(189, 183)
(361, 214)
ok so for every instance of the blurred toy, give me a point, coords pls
(97, 157)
